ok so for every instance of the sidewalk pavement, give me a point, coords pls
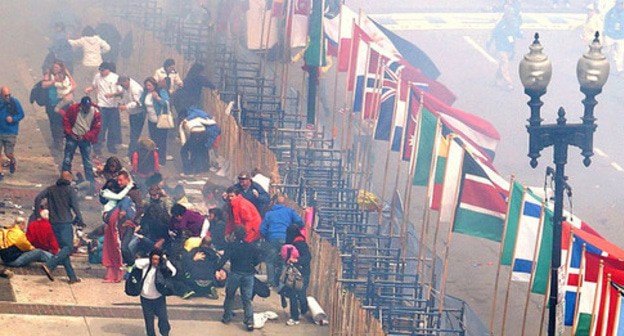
(41, 307)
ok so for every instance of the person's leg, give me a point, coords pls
(162, 152)
(136, 128)
(114, 130)
(29, 257)
(231, 286)
(65, 236)
(160, 310)
(85, 152)
(186, 157)
(147, 306)
(294, 305)
(68, 155)
(246, 286)
(9, 141)
(56, 127)
(102, 136)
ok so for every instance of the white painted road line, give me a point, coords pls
(480, 49)
(617, 166)
(600, 152)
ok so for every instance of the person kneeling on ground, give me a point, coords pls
(200, 266)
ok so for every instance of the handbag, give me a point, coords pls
(165, 119)
(260, 288)
(134, 282)
(291, 277)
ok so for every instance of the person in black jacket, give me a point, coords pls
(191, 93)
(153, 233)
(243, 259)
(298, 300)
(217, 228)
(62, 201)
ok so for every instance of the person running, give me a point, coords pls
(11, 113)
(153, 302)
(243, 258)
(64, 210)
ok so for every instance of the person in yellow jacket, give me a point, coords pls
(16, 250)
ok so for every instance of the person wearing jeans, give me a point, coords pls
(16, 250)
(107, 91)
(130, 96)
(64, 210)
(81, 124)
(243, 257)
(155, 101)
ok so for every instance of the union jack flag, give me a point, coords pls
(388, 101)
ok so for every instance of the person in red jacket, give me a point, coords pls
(40, 234)
(81, 123)
(243, 213)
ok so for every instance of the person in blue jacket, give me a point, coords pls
(273, 229)
(11, 113)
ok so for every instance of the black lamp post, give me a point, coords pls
(535, 70)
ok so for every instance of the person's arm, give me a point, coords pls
(171, 268)
(75, 43)
(295, 218)
(73, 204)
(22, 243)
(43, 194)
(104, 46)
(67, 126)
(20, 111)
(264, 226)
(112, 196)
(135, 91)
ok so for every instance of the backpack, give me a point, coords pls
(39, 95)
(291, 277)
(134, 282)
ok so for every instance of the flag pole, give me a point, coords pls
(348, 96)
(376, 103)
(538, 239)
(594, 316)
(448, 238)
(544, 303)
(434, 248)
(268, 37)
(606, 307)
(500, 256)
(407, 193)
(578, 287)
(399, 160)
(506, 304)
(336, 72)
(388, 152)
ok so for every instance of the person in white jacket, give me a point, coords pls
(131, 103)
(153, 302)
(92, 47)
(169, 74)
(196, 142)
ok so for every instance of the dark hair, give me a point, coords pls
(240, 232)
(218, 213)
(154, 252)
(168, 62)
(232, 190)
(108, 166)
(154, 180)
(293, 231)
(151, 80)
(177, 210)
(88, 31)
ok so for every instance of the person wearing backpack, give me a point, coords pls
(153, 302)
(297, 297)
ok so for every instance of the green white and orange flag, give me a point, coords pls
(437, 178)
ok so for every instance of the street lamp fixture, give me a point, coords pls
(535, 71)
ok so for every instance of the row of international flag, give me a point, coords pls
(450, 152)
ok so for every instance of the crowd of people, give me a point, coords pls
(145, 223)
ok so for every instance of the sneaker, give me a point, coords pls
(74, 281)
(7, 273)
(47, 272)
(1, 176)
(188, 295)
(12, 166)
(249, 326)
(169, 158)
(226, 320)
(213, 294)
(292, 322)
